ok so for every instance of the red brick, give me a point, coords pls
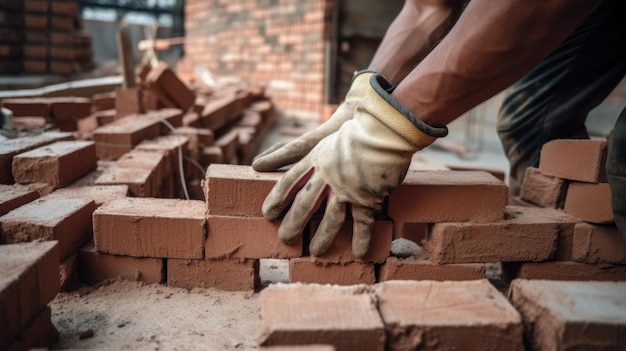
(598, 244)
(100, 194)
(448, 196)
(543, 190)
(30, 280)
(69, 108)
(57, 164)
(35, 51)
(173, 116)
(229, 143)
(590, 202)
(226, 274)
(163, 228)
(66, 220)
(115, 139)
(64, 8)
(36, 36)
(14, 196)
(61, 39)
(28, 107)
(220, 110)
(237, 190)
(30, 123)
(581, 160)
(86, 125)
(415, 232)
(210, 155)
(415, 269)
(105, 116)
(527, 234)
(35, 22)
(40, 332)
(572, 315)
(468, 315)
(564, 270)
(306, 270)
(61, 23)
(142, 171)
(62, 67)
(127, 102)
(247, 237)
(35, 66)
(167, 81)
(104, 101)
(35, 6)
(341, 249)
(95, 267)
(298, 314)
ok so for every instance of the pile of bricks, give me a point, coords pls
(62, 113)
(571, 177)
(43, 36)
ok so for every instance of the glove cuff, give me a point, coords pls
(384, 89)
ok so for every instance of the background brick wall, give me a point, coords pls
(276, 43)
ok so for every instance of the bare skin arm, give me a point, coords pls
(413, 33)
(493, 44)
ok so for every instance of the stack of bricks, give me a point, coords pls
(29, 281)
(63, 113)
(431, 315)
(43, 37)
(572, 178)
(280, 45)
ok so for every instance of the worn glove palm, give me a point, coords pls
(283, 154)
(360, 164)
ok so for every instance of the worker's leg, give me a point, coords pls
(553, 100)
(616, 172)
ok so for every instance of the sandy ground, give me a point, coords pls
(124, 315)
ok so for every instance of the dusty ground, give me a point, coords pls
(124, 315)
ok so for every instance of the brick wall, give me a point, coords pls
(277, 43)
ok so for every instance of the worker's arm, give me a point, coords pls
(412, 35)
(493, 44)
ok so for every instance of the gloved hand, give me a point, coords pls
(360, 164)
(283, 154)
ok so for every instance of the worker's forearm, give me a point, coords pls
(415, 31)
(493, 44)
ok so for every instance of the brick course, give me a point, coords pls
(225, 274)
(416, 269)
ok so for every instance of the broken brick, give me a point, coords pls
(162, 228)
(225, 274)
(571, 315)
(416, 269)
(306, 270)
(462, 315)
(448, 196)
(598, 244)
(57, 164)
(543, 190)
(167, 81)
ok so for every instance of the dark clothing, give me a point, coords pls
(553, 100)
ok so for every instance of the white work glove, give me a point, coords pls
(283, 154)
(355, 167)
